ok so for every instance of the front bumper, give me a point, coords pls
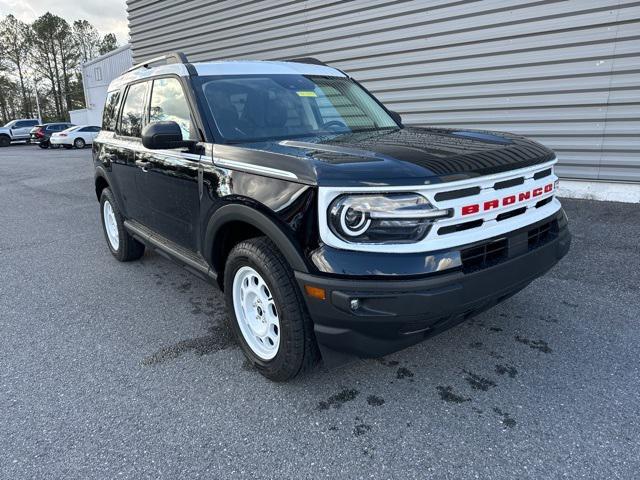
(396, 313)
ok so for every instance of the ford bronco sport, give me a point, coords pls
(331, 227)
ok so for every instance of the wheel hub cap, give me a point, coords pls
(111, 225)
(256, 313)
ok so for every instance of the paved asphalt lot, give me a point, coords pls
(111, 370)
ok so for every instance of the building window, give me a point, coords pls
(97, 73)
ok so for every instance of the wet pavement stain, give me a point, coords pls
(496, 355)
(337, 400)
(361, 429)
(534, 344)
(477, 382)
(375, 401)
(247, 365)
(184, 287)
(388, 363)
(447, 395)
(507, 421)
(506, 369)
(476, 345)
(495, 329)
(404, 373)
(219, 338)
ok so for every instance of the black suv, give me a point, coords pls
(330, 226)
(41, 134)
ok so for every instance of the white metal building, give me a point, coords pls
(564, 72)
(97, 73)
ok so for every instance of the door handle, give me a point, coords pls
(143, 164)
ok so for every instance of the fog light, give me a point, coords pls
(354, 304)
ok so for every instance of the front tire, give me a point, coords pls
(79, 143)
(266, 310)
(121, 244)
(43, 144)
(4, 141)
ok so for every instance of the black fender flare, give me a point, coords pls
(238, 212)
(100, 173)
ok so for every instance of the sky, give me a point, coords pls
(108, 16)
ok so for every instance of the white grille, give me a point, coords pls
(500, 210)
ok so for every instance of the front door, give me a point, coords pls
(167, 180)
(21, 129)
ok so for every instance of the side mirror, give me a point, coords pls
(163, 135)
(396, 117)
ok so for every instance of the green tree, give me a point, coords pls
(87, 39)
(108, 43)
(15, 48)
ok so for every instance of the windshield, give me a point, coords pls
(10, 124)
(262, 107)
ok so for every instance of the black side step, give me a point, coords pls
(193, 262)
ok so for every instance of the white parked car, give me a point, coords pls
(77, 136)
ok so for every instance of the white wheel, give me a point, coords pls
(256, 313)
(111, 225)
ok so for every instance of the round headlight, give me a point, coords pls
(382, 218)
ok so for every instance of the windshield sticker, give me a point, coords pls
(306, 94)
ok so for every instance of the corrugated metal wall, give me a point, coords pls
(566, 73)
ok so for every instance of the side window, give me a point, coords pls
(169, 103)
(110, 111)
(85, 129)
(131, 118)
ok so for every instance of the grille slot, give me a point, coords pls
(542, 234)
(509, 183)
(512, 213)
(459, 227)
(453, 194)
(542, 174)
(483, 256)
(542, 203)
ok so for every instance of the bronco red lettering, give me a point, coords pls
(491, 204)
(469, 209)
(509, 200)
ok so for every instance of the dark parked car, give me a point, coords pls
(329, 224)
(41, 134)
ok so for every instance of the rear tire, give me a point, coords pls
(121, 244)
(43, 144)
(270, 313)
(79, 143)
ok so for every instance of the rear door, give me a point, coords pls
(90, 133)
(125, 146)
(167, 180)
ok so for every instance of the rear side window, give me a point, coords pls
(168, 103)
(132, 112)
(110, 111)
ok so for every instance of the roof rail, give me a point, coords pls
(308, 60)
(172, 57)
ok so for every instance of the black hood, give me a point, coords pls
(402, 156)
